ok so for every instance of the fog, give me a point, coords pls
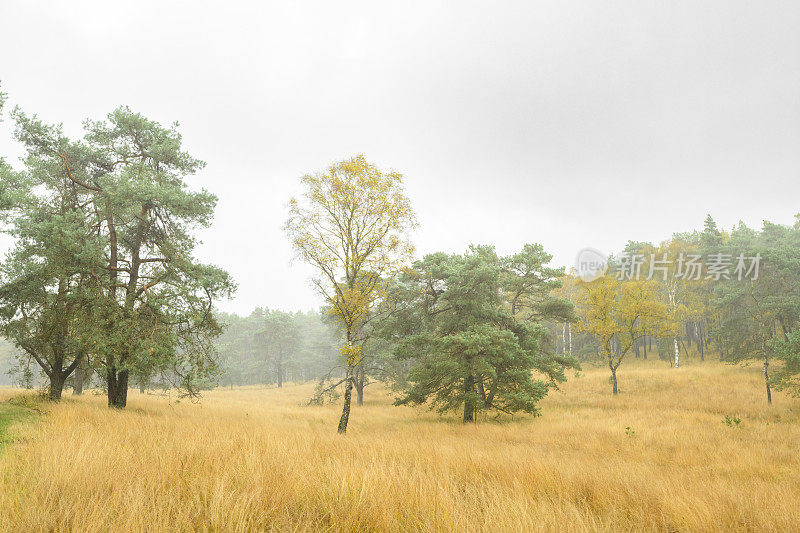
(572, 125)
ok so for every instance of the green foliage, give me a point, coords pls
(754, 308)
(711, 238)
(103, 267)
(529, 285)
(787, 350)
(46, 289)
(158, 310)
(466, 347)
(757, 317)
(732, 421)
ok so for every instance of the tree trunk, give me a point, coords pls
(117, 388)
(785, 331)
(614, 389)
(677, 351)
(569, 331)
(766, 379)
(348, 393)
(701, 342)
(359, 393)
(56, 386)
(80, 376)
(280, 372)
(359, 384)
(469, 401)
(118, 381)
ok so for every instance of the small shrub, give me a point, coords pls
(732, 421)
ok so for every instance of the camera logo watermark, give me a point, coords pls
(591, 264)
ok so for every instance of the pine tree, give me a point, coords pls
(471, 351)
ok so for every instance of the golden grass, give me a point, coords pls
(255, 459)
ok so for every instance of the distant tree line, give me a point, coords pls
(742, 301)
(274, 347)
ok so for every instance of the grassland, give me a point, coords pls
(658, 457)
(11, 415)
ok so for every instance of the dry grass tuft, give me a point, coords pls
(256, 459)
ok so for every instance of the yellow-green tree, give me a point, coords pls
(351, 224)
(618, 313)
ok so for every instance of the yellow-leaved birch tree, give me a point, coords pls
(352, 224)
(618, 313)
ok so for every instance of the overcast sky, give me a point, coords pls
(569, 124)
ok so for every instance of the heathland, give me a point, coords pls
(694, 448)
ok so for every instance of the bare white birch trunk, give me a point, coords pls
(671, 288)
(569, 330)
(677, 351)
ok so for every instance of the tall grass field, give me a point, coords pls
(689, 449)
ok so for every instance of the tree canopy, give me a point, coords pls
(103, 265)
(474, 348)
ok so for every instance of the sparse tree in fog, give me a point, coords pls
(281, 337)
(273, 346)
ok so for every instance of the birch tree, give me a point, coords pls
(618, 314)
(352, 224)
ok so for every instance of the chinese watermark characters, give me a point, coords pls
(690, 267)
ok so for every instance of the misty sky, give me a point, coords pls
(569, 124)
